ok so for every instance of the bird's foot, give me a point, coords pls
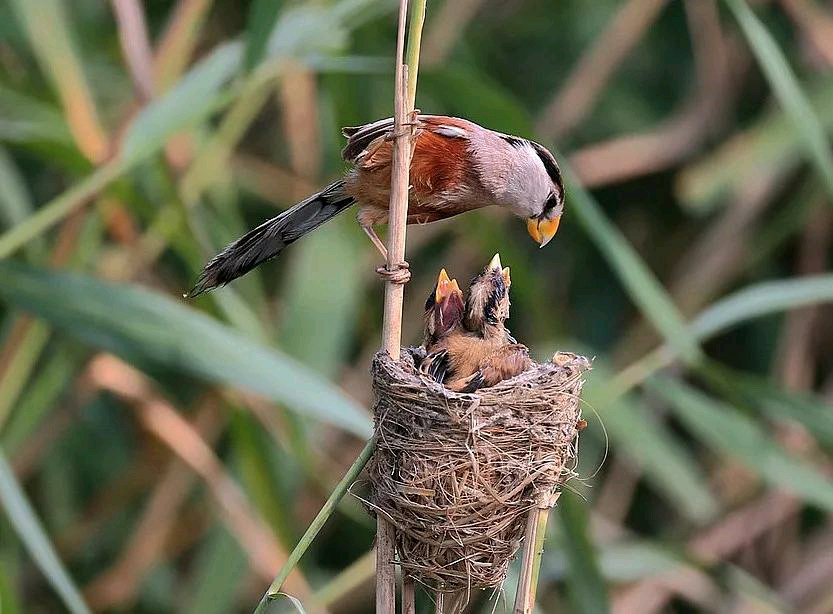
(399, 274)
(407, 126)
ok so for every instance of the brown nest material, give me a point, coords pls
(456, 474)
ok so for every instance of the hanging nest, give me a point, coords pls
(456, 474)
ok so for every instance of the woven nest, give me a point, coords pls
(456, 474)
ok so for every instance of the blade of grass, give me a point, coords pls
(755, 595)
(9, 598)
(728, 431)
(15, 201)
(220, 567)
(416, 19)
(640, 283)
(300, 31)
(24, 119)
(761, 395)
(623, 562)
(194, 98)
(40, 398)
(751, 302)
(318, 321)
(154, 331)
(50, 34)
(771, 141)
(57, 209)
(263, 15)
(178, 41)
(659, 454)
(20, 367)
(785, 85)
(25, 521)
(762, 299)
(269, 473)
(357, 573)
(465, 91)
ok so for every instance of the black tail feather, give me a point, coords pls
(268, 240)
(474, 382)
(436, 365)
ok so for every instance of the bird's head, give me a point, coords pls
(488, 301)
(443, 308)
(543, 224)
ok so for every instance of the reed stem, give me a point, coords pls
(536, 531)
(404, 95)
(315, 526)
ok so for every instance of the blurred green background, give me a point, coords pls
(163, 455)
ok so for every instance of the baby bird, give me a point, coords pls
(480, 352)
(443, 310)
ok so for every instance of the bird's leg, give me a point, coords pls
(396, 273)
(374, 238)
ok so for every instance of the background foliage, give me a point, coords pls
(161, 455)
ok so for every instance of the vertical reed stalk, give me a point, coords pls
(405, 93)
(404, 96)
(536, 531)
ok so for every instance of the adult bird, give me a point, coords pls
(456, 166)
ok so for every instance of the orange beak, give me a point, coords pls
(542, 231)
(445, 287)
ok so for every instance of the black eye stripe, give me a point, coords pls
(550, 165)
(494, 299)
(547, 159)
(553, 201)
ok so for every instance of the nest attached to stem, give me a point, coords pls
(457, 474)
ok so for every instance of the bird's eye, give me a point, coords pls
(553, 201)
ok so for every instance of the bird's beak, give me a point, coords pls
(495, 263)
(444, 286)
(506, 278)
(542, 231)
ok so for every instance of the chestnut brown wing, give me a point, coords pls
(440, 168)
(359, 138)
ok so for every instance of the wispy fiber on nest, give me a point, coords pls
(456, 474)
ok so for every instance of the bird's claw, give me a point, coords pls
(407, 126)
(396, 274)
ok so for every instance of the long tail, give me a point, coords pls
(267, 240)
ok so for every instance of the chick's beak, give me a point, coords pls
(443, 286)
(495, 263)
(542, 231)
